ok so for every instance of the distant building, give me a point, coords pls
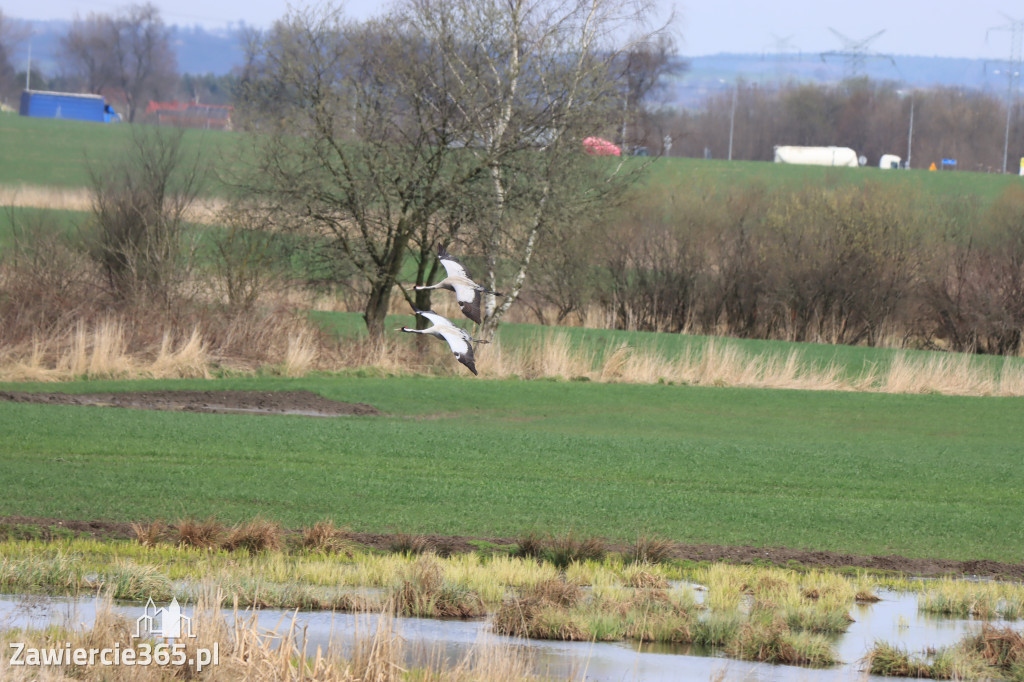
(190, 115)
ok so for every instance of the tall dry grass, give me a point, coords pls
(203, 210)
(290, 345)
(249, 652)
(117, 346)
(721, 363)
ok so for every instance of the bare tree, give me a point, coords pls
(137, 232)
(445, 119)
(130, 52)
(359, 146)
(531, 79)
(11, 36)
(644, 70)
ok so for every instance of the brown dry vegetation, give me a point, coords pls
(992, 653)
(204, 211)
(842, 266)
(873, 264)
(249, 652)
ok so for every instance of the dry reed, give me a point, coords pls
(202, 211)
(247, 651)
(126, 346)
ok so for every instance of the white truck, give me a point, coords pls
(889, 161)
(817, 156)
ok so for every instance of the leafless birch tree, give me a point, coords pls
(531, 79)
(446, 119)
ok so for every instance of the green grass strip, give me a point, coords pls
(866, 473)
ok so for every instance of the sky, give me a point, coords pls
(980, 29)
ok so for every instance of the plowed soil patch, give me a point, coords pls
(222, 402)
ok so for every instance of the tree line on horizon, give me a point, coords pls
(872, 117)
(129, 51)
(380, 139)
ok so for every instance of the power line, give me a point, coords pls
(855, 52)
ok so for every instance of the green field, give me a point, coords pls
(864, 473)
(55, 153)
(922, 475)
(718, 175)
(58, 153)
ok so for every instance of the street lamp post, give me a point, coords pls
(732, 116)
(732, 112)
(910, 127)
(910, 132)
(1011, 78)
(1009, 110)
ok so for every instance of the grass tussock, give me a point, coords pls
(651, 549)
(206, 534)
(891, 661)
(255, 535)
(641, 579)
(716, 629)
(531, 545)
(567, 549)
(999, 647)
(59, 573)
(541, 611)
(149, 534)
(409, 544)
(813, 618)
(425, 593)
(963, 599)
(991, 653)
(774, 642)
(324, 537)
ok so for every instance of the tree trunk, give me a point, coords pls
(422, 299)
(377, 308)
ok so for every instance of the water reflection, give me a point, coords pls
(895, 620)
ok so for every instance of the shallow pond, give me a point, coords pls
(895, 620)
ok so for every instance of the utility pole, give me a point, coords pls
(732, 116)
(910, 132)
(732, 112)
(1016, 29)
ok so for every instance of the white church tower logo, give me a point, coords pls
(173, 625)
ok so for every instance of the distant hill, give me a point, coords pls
(201, 51)
(707, 73)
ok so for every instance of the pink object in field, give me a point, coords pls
(600, 147)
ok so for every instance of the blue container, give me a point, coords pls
(41, 104)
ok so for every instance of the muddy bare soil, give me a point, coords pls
(51, 528)
(222, 402)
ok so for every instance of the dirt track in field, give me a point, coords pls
(221, 402)
(310, 404)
